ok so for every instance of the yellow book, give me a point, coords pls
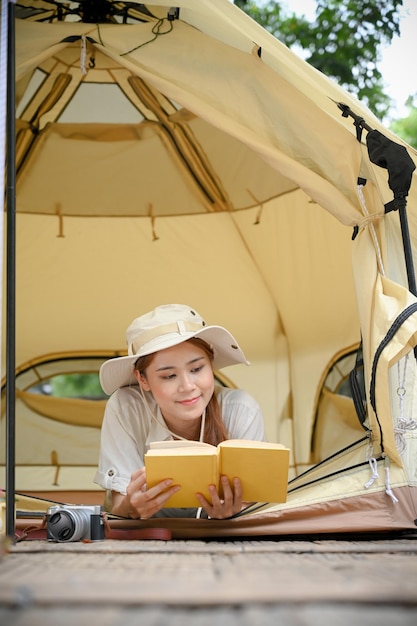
(262, 468)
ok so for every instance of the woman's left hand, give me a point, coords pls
(228, 505)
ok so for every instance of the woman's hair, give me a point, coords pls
(214, 428)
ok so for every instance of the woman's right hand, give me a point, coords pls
(140, 502)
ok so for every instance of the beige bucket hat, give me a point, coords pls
(164, 327)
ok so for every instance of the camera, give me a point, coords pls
(71, 522)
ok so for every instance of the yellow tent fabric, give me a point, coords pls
(210, 165)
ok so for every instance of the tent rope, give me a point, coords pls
(374, 469)
(156, 31)
(83, 55)
(369, 220)
(400, 430)
(388, 489)
(402, 424)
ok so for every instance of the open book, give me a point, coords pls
(262, 468)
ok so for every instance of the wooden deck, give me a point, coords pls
(245, 583)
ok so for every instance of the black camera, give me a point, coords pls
(71, 522)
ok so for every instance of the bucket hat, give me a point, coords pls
(166, 326)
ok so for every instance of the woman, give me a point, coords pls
(165, 389)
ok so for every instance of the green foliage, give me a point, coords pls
(406, 127)
(343, 41)
(76, 386)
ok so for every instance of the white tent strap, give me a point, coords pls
(373, 463)
(388, 489)
(83, 55)
(369, 221)
(374, 469)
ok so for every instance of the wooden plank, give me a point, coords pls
(229, 546)
(179, 574)
(307, 615)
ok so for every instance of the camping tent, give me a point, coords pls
(184, 154)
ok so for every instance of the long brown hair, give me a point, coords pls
(214, 428)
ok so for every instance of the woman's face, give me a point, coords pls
(182, 382)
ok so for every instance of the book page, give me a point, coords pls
(261, 467)
(178, 443)
(249, 443)
(192, 451)
(194, 468)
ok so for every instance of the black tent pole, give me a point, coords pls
(405, 233)
(11, 277)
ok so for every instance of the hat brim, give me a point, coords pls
(118, 372)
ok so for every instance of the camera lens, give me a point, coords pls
(69, 525)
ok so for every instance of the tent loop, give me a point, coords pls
(173, 13)
(374, 468)
(355, 233)
(56, 464)
(369, 219)
(83, 55)
(58, 212)
(260, 208)
(257, 50)
(152, 218)
(358, 122)
(259, 214)
(373, 463)
(388, 489)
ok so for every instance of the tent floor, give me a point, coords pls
(188, 582)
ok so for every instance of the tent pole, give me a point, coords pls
(11, 278)
(407, 250)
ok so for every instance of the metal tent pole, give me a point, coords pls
(11, 277)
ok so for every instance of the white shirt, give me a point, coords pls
(128, 428)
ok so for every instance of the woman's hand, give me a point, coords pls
(140, 502)
(228, 505)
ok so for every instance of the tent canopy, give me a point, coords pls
(191, 157)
